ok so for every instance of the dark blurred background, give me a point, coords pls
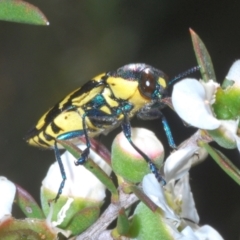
(40, 65)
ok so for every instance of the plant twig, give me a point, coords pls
(111, 213)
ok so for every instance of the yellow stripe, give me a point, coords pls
(162, 82)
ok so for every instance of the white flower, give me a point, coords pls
(192, 102)
(81, 190)
(80, 182)
(155, 192)
(205, 232)
(234, 72)
(8, 191)
(179, 162)
(193, 99)
(177, 203)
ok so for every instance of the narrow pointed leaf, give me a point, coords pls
(203, 58)
(27, 204)
(21, 12)
(226, 165)
(144, 198)
(92, 167)
(122, 222)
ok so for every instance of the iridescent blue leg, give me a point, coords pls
(86, 151)
(97, 117)
(65, 136)
(58, 157)
(126, 127)
(155, 113)
(168, 132)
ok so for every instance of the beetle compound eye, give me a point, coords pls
(147, 83)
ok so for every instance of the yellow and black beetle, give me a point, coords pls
(101, 104)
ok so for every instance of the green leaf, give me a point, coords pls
(27, 229)
(203, 58)
(222, 138)
(27, 204)
(226, 165)
(122, 222)
(83, 219)
(76, 214)
(21, 12)
(148, 225)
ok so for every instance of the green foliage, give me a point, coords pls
(21, 12)
(203, 58)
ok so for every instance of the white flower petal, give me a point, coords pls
(154, 191)
(8, 191)
(228, 129)
(80, 182)
(190, 102)
(210, 88)
(238, 142)
(234, 72)
(189, 234)
(206, 232)
(184, 195)
(179, 163)
(203, 233)
(176, 235)
(230, 125)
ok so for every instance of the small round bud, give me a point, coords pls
(127, 162)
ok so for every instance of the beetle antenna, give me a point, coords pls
(184, 74)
